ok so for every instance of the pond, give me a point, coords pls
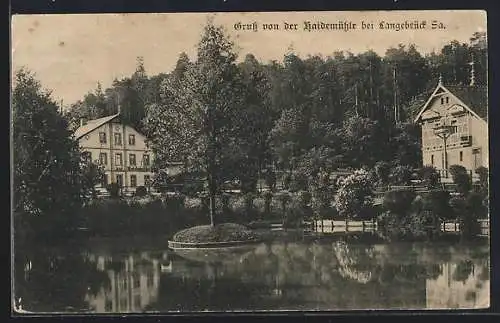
(296, 272)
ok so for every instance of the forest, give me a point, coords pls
(301, 114)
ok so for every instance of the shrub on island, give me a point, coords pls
(224, 232)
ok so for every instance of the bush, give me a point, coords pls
(284, 199)
(299, 182)
(437, 202)
(321, 200)
(355, 194)
(411, 226)
(141, 191)
(401, 175)
(193, 203)
(174, 202)
(458, 205)
(399, 202)
(139, 215)
(430, 177)
(259, 205)
(475, 205)
(237, 204)
(304, 198)
(382, 171)
(461, 178)
(483, 179)
(192, 188)
(113, 190)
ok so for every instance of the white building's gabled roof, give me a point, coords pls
(473, 99)
(92, 125)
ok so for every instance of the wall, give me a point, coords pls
(91, 143)
(466, 125)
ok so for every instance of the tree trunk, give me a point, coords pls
(211, 189)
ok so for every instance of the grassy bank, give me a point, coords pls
(403, 214)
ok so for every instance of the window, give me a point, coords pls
(103, 158)
(432, 160)
(131, 160)
(147, 180)
(133, 180)
(118, 139)
(119, 180)
(461, 156)
(118, 159)
(145, 160)
(102, 137)
(131, 140)
(104, 180)
(442, 100)
(447, 100)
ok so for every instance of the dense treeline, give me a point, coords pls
(300, 115)
(52, 179)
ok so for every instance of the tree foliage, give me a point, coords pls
(46, 159)
(354, 195)
(51, 178)
(318, 112)
(461, 178)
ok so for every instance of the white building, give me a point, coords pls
(120, 148)
(454, 123)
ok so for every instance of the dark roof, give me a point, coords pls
(92, 125)
(475, 97)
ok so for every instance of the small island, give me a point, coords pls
(217, 236)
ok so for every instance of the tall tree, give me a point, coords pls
(194, 121)
(253, 123)
(46, 159)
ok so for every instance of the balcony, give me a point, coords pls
(132, 168)
(465, 141)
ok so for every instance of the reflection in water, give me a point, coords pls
(458, 289)
(134, 282)
(329, 274)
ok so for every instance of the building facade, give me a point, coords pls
(120, 149)
(454, 126)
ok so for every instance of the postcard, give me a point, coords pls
(250, 162)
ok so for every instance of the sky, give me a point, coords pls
(69, 54)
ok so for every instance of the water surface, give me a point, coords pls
(301, 273)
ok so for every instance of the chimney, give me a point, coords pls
(81, 122)
(440, 82)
